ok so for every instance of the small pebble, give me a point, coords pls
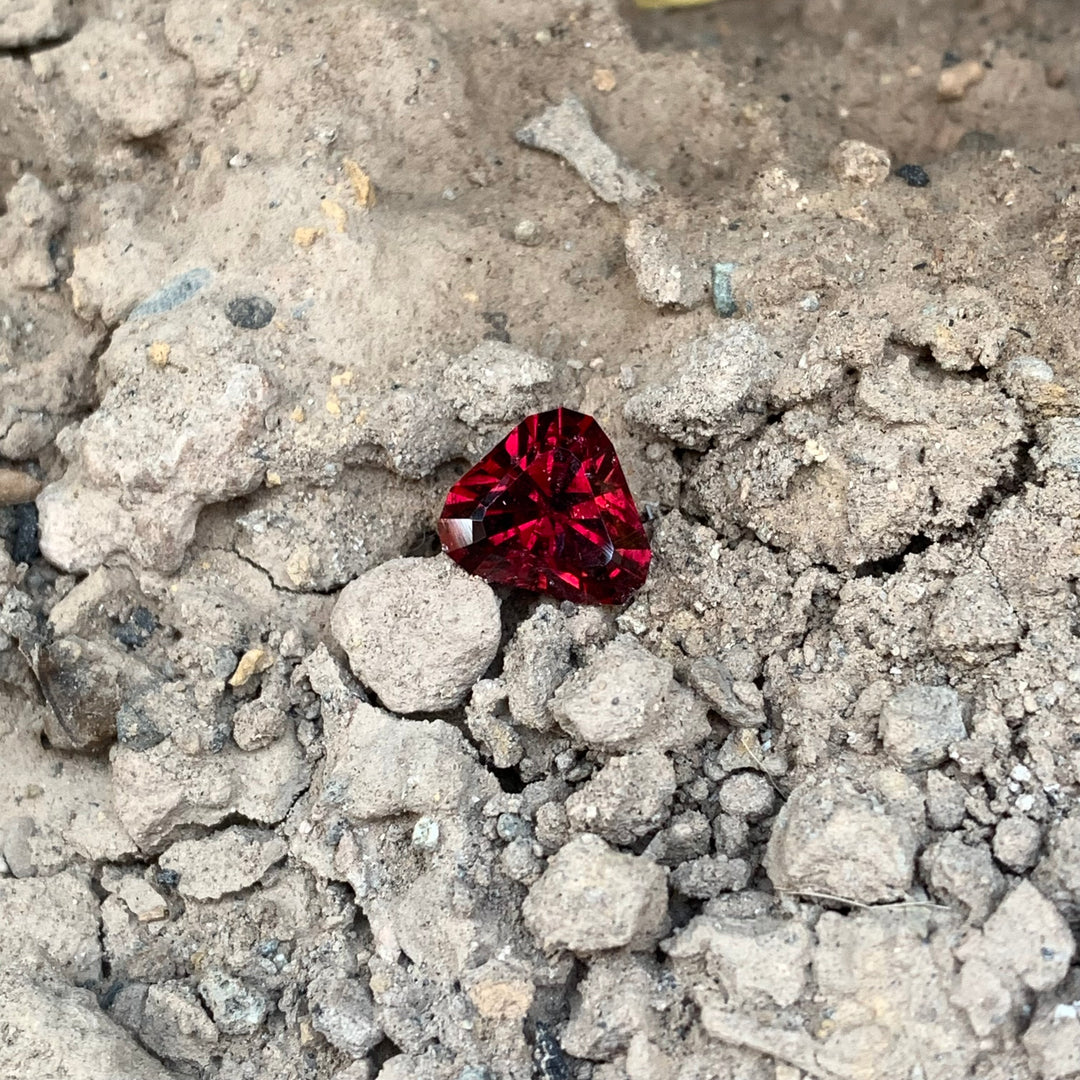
(723, 291)
(1032, 368)
(249, 312)
(425, 834)
(1016, 843)
(172, 294)
(527, 232)
(955, 81)
(858, 162)
(913, 175)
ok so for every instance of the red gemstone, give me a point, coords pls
(549, 510)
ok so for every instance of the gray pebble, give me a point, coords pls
(1016, 843)
(172, 294)
(249, 312)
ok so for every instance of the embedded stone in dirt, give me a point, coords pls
(225, 862)
(343, 1012)
(565, 129)
(860, 163)
(535, 663)
(159, 789)
(379, 766)
(830, 840)
(919, 724)
(249, 312)
(58, 915)
(760, 960)
(627, 699)
(591, 898)
(664, 274)
(24, 23)
(1026, 944)
(136, 89)
(549, 510)
(628, 798)
(716, 391)
(1016, 843)
(496, 384)
(141, 468)
(237, 1009)
(418, 632)
(69, 1035)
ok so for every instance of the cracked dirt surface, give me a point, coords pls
(284, 793)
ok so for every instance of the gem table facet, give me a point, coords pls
(549, 510)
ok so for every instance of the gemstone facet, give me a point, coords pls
(549, 510)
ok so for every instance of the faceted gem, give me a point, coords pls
(549, 510)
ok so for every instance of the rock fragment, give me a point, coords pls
(627, 699)
(34, 217)
(747, 795)
(17, 487)
(69, 1034)
(362, 521)
(141, 468)
(142, 900)
(110, 278)
(717, 392)
(1025, 945)
(1016, 843)
(160, 789)
(945, 801)
(342, 1010)
(418, 632)
(237, 1008)
(24, 23)
(176, 291)
(1058, 872)
(738, 701)
(620, 995)
(919, 724)
(964, 873)
(1053, 1043)
(58, 916)
(708, 876)
(46, 369)
(536, 662)
(665, 276)
(973, 616)
(955, 81)
(857, 162)
(591, 898)
(566, 130)
(225, 862)
(208, 35)
(830, 840)
(1059, 449)
(757, 961)
(496, 384)
(134, 88)
(85, 683)
(379, 766)
(256, 724)
(628, 798)
(175, 1025)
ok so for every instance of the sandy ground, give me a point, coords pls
(284, 793)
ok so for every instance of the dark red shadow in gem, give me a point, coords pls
(549, 510)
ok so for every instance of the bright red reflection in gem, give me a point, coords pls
(549, 510)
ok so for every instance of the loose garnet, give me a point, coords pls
(549, 510)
